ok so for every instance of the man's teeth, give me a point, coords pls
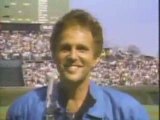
(73, 67)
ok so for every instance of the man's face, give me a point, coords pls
(75, 54)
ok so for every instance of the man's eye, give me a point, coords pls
(65, 48)
(82, 48)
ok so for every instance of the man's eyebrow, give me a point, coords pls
(81, 46)
(65, 46)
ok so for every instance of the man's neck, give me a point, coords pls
(76, 96)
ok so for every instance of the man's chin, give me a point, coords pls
(72, 80)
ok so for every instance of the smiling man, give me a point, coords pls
(76, 44)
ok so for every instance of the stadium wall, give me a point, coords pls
(19, 27)
(148, 95)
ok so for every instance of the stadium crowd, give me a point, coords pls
(117, 68)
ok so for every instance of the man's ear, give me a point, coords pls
(96, 61)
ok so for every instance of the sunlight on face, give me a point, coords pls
(75, 54)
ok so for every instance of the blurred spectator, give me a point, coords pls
(119, 68)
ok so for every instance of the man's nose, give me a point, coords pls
(73, 54)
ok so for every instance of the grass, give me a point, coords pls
(3, 110)
(152, 109)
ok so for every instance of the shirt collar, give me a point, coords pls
(97, 110)
(55, 102)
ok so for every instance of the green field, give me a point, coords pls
(152, 109)
(148, 96)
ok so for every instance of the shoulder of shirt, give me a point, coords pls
(120, 98)
(116, 93)
(125, 104)
(30, 98)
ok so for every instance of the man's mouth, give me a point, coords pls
(72, 68)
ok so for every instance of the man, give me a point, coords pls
(76, 44)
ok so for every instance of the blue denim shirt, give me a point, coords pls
(110, 104)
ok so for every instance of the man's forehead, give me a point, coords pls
(76, 28)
